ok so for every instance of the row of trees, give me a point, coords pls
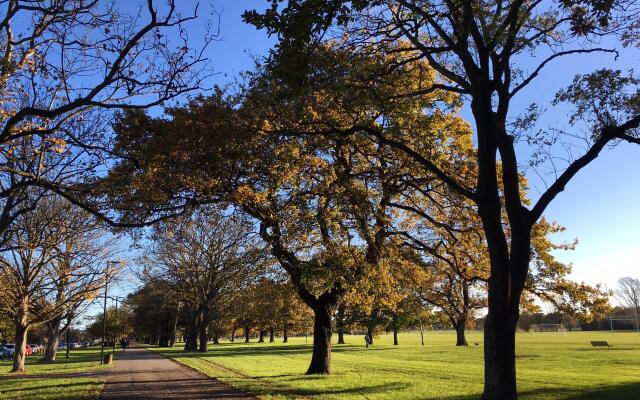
(53, 265)
(65, 66)
(355, 162)
(345, 148)
(344, 216)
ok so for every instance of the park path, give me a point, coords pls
(141, 374)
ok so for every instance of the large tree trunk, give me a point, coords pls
(321, 357)
(233, 333)
(461, 340)
(52, 333)
(202, 328)
(394, 326)
(22, 327)
(285, 335)
(261, 338)
(20, 353)
(499, 355)
(340, 323)
(191, 340)
(508, 275)
(509, 255)
(247, 333)
(174, 328)
(272, 335)
(505, 290)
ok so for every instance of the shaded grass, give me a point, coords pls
(73, 378)
(550, 366)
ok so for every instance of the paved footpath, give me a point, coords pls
(140, 374)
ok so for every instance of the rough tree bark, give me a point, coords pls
(203, 326)
(509, 257)
(22, 328)
(321, 356)
(191, 339)
(52, 332)
(460, 325)
(247, 333)
(174, 328)
(394, 326)
(340, 323)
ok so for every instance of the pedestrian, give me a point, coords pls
(367, 340)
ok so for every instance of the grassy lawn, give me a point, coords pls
(550, 366)
(64, 379)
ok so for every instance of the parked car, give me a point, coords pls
(37, 348)
(8, 350)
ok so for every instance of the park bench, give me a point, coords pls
(600, 343)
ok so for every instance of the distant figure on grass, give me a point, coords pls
(367, 340)
(123, 344)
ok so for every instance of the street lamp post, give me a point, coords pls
(115, 328)
(104, 311)
(104, 320)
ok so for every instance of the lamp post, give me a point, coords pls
(116, 325)
(104, 311)
(104, 320)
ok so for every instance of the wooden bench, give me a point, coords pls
(600, 343)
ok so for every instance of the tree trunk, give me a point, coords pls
(340, 323)
(21, 348)
(22, 327)
(505, 288)
(174, 328)
(261, 339)
(233, 333)
(461, 340)
(202, 328)
(509, 254)
(52, 333)
(370, 333)
(394, 326)
(191, 340)
(247, 332)
(321, 357)
(272, 335)
(285, 335)
(500, 366)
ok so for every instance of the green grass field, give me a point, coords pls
(64, 379)
(550, 366)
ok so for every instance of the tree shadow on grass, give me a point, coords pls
(359, 390)
(49, 390)
(627, 391)
(267, 350)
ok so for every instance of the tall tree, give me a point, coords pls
(322, 205)
(64, 67)
(53, 265)
(476, 49)
(629, 293)
(204, 258)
